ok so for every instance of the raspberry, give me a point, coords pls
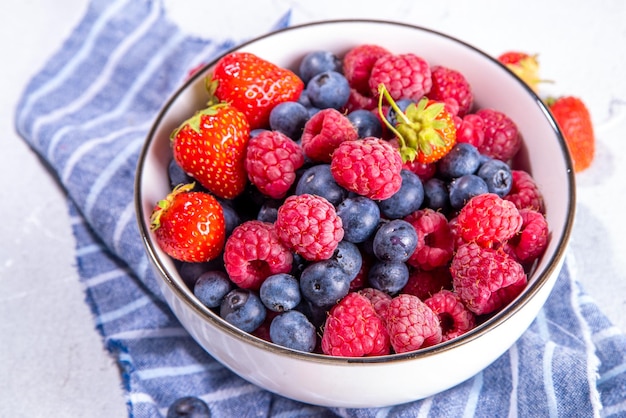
(450, 85)
(471, 129)
(502, 139)
(253, 252)
(532, 239)
(485, 279)
(357, 66)
(425, 171)
(353, 329)
(324, 132)
(454, 317)
(411, 324)
(487, 219)
(379, 299)
(425, 283)
(406, 76)
(524, 192)
(357, 101)
(272, 159)
(435, 240)
(361, 277)
(308, 224)
(369, 167)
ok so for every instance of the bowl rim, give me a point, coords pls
(207, 314)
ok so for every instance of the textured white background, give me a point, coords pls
(51, 359)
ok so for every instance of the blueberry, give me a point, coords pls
(461, 160)
(268, 211)
(243, 309)
(319, 180)
(211, 287)
(464, 188)
(406, 200)
(395, 240)
(349, 258)
(315, 314)
(391, 115)
(497, 174)
(366, 123)
(292, 329)
(329, 89)
(280, 292)
(289, 118)
(436, 194)
(324, 282)
(316, 62)
(177, 175)
(231, 217)
(188, 407)
(191, 272)
(360, 216)
(388, 276)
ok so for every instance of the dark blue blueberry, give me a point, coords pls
(319, 180)
(391, 113)
(497, 174)
(231, 217)
(211, 287)
(436, 194)
(191, 272)
(360, 216)
(243, 309)
(406, 200)
(188, 407)
(388, 276)
(395, 240)
(316, 62)
(280, 292)
(349, 258)
(315, 314)
(366, 123)
(462, 159)
(177, 175)
(289, 118)
(329, 89)
(292, 329)
(324, 282)
(462, 189)
(268, 211)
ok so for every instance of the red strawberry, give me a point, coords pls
(253, 85)
(425, 131)
(524, 66)
(211, 147)
(573, 118)
(189, 226)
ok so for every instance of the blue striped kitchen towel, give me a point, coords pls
(87, 112)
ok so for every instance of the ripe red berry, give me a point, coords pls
(425, 283)
(406, 76)
(358, 64)
(411, 324)
(324, 132)
(501, 136)
(524, 192)
(450, 84)
(435, 240)
(454, 317)
(532, 239)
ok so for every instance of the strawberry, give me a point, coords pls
(574, 120)
(524, 66)
(189, 225)
(211, 147)
(253, 85)
(425, 131)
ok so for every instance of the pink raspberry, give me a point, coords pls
(488, 220)
(357, 100)
(379, 299)
(449, 85)
(532, 239)
(324, 131)
(486, 279)
(454, 317)
(502, 139)
(271, 161)
(369, 167)
(524, 192)
(406, 76)
(353, 329)
(471, 129)
(357, 66)
(411, 324)
(308, 225)
(424, 171)
(425, 283)
(253, 252)
(435, 242)
(457, 237)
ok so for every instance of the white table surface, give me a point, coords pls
(52, 361)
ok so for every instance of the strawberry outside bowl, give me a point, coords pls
(397, 378)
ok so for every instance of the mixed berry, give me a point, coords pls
(364, 205)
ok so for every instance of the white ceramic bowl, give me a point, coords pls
(393, 379)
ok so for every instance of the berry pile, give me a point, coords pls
(362, 206)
